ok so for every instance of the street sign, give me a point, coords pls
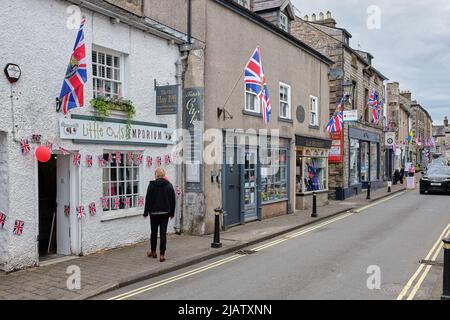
(350, 115)
(389, 138)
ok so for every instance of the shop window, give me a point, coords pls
(312, 174)
(121, 180)
(354, 161)
(365, 165)
(107, 73)
(251, 101)
(314, 111)
(374, 161)
(274, 176)
(285, 101)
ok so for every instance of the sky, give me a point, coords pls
(409, 39)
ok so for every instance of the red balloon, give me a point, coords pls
(43, 154)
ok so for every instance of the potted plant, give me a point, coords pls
(104, 105)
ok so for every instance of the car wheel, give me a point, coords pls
(422, 191)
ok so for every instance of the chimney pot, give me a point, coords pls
(321, 16)
(313, 17)
(329, 15)
(306, 18)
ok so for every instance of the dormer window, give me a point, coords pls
(284, 22)
(244, 3)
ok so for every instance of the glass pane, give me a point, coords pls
(109, 73)
(116, 74)
(121, 173)
(113, 189)
(114, 174)
(94, 70)
(106, 175)
(136, 187)
(116, 62)
(94, 56)
(101, 58)
(135, 174)
(108, 60)
(106, 190)
(354, 163)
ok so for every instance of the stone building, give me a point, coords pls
(125, 54)
(357, 155)
(422, 127)
(441, 135)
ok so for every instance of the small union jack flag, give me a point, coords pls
(130, 156)
(80, 212)
(101, 161)
(64, 151)
(118, 158)
(76, 159)
(18, 227)
(174, 156)
(167, 160)
(127, 203)
(25, 146)
(92, 209)
(105, 203)
(158, 161)
(67, 210)
(149, 161)
(89, 161)
(178, 192)
(50, 145)
(110, 157)
(141, 201)
(2, 219)
(116, 203)
(139, 159)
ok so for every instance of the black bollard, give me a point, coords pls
(446, 283)
(216, 244)
(314, 206)
(368, 190)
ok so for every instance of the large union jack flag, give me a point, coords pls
(72, 91)
(256, 81)
(336, 122)
(375, 104)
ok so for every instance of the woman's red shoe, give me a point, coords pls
(162, 258)
(152, 254)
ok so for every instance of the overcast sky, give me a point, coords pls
(412, 45)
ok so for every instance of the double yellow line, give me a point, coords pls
(216, 264)
(423, 269)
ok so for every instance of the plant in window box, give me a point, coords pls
(104, 105)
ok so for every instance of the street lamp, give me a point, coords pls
(348, 86)
(13, 72)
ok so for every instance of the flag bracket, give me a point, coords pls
(58, 104)
(224, 112)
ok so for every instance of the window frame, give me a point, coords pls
(288, 102)
(316, 100)
(120, 68)
(257, 101)
(244, 3)
(278, 180)
(284, 25)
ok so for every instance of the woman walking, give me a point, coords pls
(160, 205)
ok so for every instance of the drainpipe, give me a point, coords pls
(189, 22)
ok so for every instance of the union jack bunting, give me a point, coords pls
(158, 161)
(64, 151)
(49, 145)
(336, 122)
(18, 227)
(178, 192)
(174, 156)
(130, 156)
(149, 161)
(116, 203)
(118, 158)
(89, 161)
(80, 212)
(101, 161)
(141, 201)
(76, 159)
(72, 91)
(110, 157)
(167, 160)
(127, 202)
(92, 209)
(25, 146)
(139, 159)
(67, 210)
(105, 203)
(2, 219)
(256, 82)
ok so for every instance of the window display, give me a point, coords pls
(274, 176)
(312, 173)
(365, 152)
(374, 161)
(354, 161)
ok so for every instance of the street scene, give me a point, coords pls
(224, 150)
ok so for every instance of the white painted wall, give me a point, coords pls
(37, 39)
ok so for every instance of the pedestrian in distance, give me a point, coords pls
(412, 170)
(160, 206)
(396, 176)
(402, 174)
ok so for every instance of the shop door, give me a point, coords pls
(63, 200)
(232, 198)
(365, 162)
(250, 187)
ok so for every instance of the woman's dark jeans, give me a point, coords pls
(159, 221)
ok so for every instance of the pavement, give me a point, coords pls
(366, 254)
(117, 268)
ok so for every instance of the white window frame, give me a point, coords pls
(314, 121)
(257, 109)
(284, 22)
(286, 102)
(244, 3)
(120, 68)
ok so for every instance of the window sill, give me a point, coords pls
(251, 113)
(285, 120)
(314, 127)
(121, 215)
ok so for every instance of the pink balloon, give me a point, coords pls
(43, 154)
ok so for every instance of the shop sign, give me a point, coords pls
(309, 142)
(336, 154)
(350, 115)
(166, 100)
(87, 129)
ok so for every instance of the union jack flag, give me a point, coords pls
(336, 122)
(116, 203)
(92, 209)
(174, 156)
(110, 157)
(167, 160)
(80, 212)
(101, 161)
(256, 81)
(89, 161)
(67, 210)
(64, 151)
(178, 192)
(76, 159)
(141, 201)
(139, 159)
(2, 219)
(50, 145)
(118, 158)
(130, 156)
(25, 146)
(158, 161)
(72, 91)
(149, 161)
(18, 227)
(105, 203)
(375, 105)
(127, 203)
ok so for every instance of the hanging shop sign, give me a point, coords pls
(166, 100)
(389, 138)
(113, 131)
(336, 154)
(350, 115)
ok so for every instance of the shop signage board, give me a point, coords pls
(336, 154)
(350, 115)
(166, 100)
(84, 129)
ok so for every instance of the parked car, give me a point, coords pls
(436, 179)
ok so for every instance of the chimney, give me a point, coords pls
(321, 16)
(306, 18)
(328, 21)
(313, 17)
(445, 121)
(406, 94)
